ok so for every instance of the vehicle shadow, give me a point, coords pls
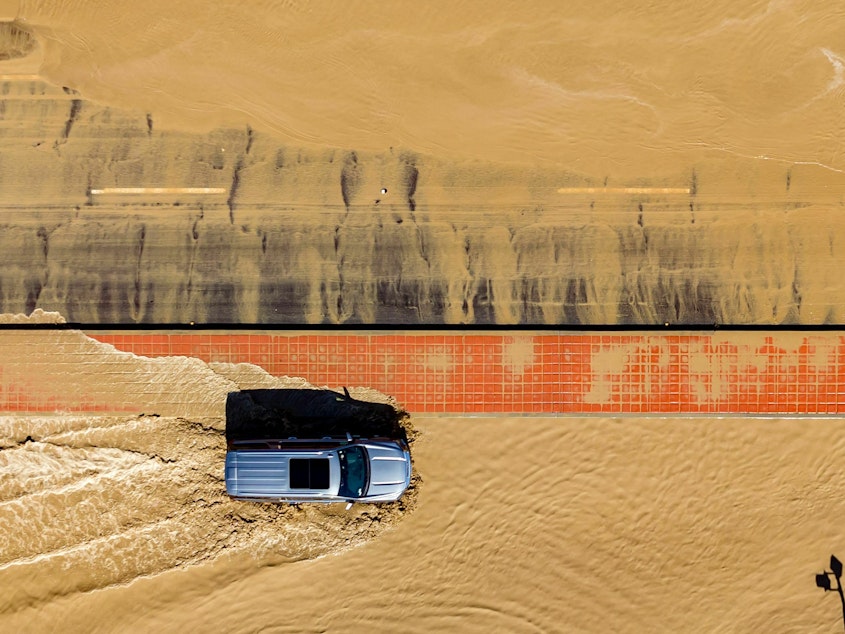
(303, 413)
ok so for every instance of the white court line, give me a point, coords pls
(159, 190)
(623, 190)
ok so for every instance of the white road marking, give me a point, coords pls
(158, 190)
(623, 190)
(21, 77)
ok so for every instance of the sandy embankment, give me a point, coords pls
(280, 261)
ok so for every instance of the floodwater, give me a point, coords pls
(455, 162)
(93, 503)
(121, 522)
(546, 525)
(423, 165)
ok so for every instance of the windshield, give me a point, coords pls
(353, 472)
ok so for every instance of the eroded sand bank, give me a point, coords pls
(248, 255)
(281, 266)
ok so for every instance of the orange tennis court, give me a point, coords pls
(450, 372)
(723, 373)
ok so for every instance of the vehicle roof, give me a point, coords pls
(261, 470)
(267, 473)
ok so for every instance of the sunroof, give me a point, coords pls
(309, 473)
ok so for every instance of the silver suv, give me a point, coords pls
(324, 470)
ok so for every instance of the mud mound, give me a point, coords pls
(15, 41)
(89, 503)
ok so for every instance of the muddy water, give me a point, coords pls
(94, 502)
(307, 266)
(547, 525)
(632, 92)
(629, 526)
(91, 503)
(448, 166)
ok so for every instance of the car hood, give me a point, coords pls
(390, 471)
